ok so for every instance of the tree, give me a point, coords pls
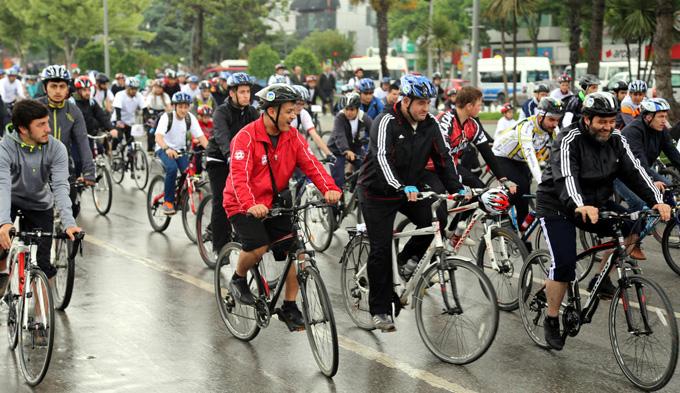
(14, 31)
(632, 21)
(595, 41)
(663, 38)
(261, 61)
(305, 58)
(329, 45)
(573, 14)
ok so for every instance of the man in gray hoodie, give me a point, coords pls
(33, 178)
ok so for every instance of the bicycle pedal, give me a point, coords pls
(291, 326)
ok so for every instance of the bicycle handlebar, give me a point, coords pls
(605, 214)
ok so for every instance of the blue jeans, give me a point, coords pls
(338, 169)
(635, 203)
(171, 167)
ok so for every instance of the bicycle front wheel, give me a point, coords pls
(12, 299)
(117, 168)
(239, 319)
(154, 203)
(140, 169)
(456, 311)
(354, 281)
(36, 337)
(319, 222)
(319, 320)
(204, 237)
(190, 204)
(644, 333)
(670, 244)
(102, 192)
(533, 303)
(64, 280)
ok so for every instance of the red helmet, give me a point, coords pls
(83, 82)
(310, 78)
(564, 78)
(204, 110)
(506, 107)
(495, 201)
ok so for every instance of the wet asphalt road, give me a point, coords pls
(143, 319)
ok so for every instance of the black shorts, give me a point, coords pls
(255, 233)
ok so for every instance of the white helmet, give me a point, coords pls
(495, 201)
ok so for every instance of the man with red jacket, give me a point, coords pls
(263, 154)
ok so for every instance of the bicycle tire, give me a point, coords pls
(103, 207)
(159, 222)
(204, 232)
(326, 358)
(355, 290)
(643, 287)
(504, 282)
(12, 299)
(190, 210)
(118, 169)
(319, 223)
(34, 377)
(140, 169)
(669, 243)
(223, 272)
(482, 298)
(65, 277)
(532, 301)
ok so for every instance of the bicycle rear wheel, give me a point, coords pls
(12, 299)
(64, 280)
(646, 343)
(140, 168)
(154, 203)
(102, 192)
(354, 281)
(456, 311)
(239, 319)
(36, 339)
(319, 222)
(190, 204)
(204, 238)
(117, 168)
(319, 320)
(670, 245)
(510, 253)
(533, 304)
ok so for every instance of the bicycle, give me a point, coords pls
(204, 236)
(245, 322)
(190, 190)
(463, 301)
(102, 191)
(130, 157)
(639, 312)
(30, 319)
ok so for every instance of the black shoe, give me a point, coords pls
(551, 329)
(292, 317)
(384, 322)
(238, 287)
(607, 288)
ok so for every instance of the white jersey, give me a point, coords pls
(305, 122)
(176, 137)
(504, 124)
(128, 106)
(101, 95)
(11, 91)
(558, 95)
(192, 92)
(525, 142)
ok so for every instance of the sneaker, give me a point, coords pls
(292, 317)
(553, 337)
(4, 279)
(607, 288)
(384, 322)
(238, 287)
(168, 208)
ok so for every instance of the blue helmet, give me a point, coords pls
(653, 105)
(224, 75)
(366, 85)
(239, 79)
(637, 86)
(181, 98)
(417, 86)
(192, 79)
(386, 79)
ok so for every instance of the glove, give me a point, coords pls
(410, 189)
(330, 159)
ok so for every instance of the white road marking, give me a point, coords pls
(344, 342)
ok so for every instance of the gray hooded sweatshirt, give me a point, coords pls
(34, 177)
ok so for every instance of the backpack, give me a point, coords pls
(187, 119)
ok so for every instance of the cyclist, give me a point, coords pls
(358, 75)
(34, 174)
(118, 84)
(4, 117)
(157, 102)
(204, 98)
(522, 148)
(529, 107)
(392, 96)
(67, 124)
(369, 104)
(125, 105)
(572, 110)
(172, 132)
(563, 93)
(263, 157)
(279, 75)
(32, 86)
(384, 89)
(436, 101)
(311, 83)
(143, 79)
(171, 84)
(221, 90)
(507, 119)
(402, 140)
(450, 102)
(584, 161)
(630, 106)
(303, 121)
(11, 88)
(102, 93)
(327, 88)
(191, 87)
(95, 117)
(351, 125)
(182, 78)
(620, 90)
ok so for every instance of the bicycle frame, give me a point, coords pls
(20, 275)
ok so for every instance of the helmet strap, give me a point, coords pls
(408, 110)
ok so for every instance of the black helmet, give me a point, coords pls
(550, 106)
(618, 86)
(102, 78)
(277, 94)
(588, 80)
(600, 104)
(350, 100)
(542, 88)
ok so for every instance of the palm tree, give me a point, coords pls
(597, 24)
(573, 13)
(663, 38)
(633, 21)
(500, 22)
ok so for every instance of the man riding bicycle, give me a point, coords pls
(584, 161)
(370, 105)
(125, 105)
(402, 141)
(171, 141)
(264, 155)
(350, 128)
(95, 117)
(34, 174)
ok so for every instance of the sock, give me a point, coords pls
(236, 276)
(288, 303)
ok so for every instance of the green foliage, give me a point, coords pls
(261, 61)
(305, 58)
(129, 61)
(329, 45)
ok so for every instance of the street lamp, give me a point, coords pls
(107, 63)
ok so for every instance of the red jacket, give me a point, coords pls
(249, 182)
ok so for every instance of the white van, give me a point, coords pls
(371, 65)
(607, 69)
(530, 70)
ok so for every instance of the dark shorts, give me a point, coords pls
(255, 233)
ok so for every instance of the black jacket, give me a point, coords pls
(582, 172)
(94, 115)
(4, 117)
(341, 139)
(647, 143)
(398, 155)
(326, 86)
(228, 119)
(573, 108)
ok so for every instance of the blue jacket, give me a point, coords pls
(373, 109)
